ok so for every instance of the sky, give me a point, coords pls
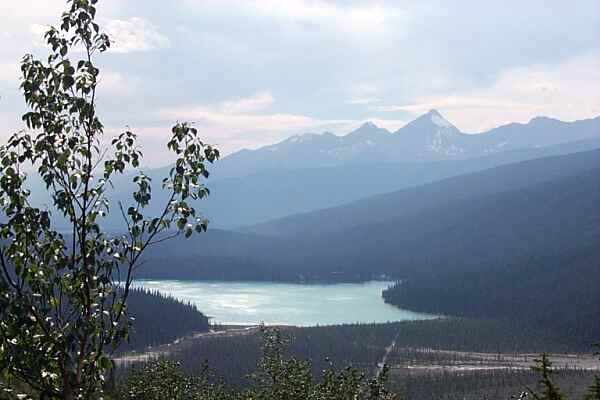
(253, 72)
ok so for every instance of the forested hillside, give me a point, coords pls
(558, 292)
(485, 231)
(413, 200)
(159, 319)
(484, 256)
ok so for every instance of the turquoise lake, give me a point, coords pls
(250, 303)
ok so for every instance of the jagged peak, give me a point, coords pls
(432, 117)
(438, 119)
(369, 125)
(367, 130)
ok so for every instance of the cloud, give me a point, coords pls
(31, 8)
(37, 32)
(328, 64)
(257, 102)
(355, 19)
(364, 93)
(566, 91)
(363, 100)
(118, 84)
(246, 122)
(134, 34)
(239, 116)
(10, 73)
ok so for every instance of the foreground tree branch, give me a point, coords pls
(62, 309)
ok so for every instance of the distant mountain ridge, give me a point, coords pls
(309, 172)
(430, 137)
(413, 200)
(513, 210)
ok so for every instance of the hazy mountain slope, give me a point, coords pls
(540, 131)
(308, 150)
(216, 254)
(428, 138)
(264, 196)
(311, 172)
(530, 253)
(550, 218)
(413, 200)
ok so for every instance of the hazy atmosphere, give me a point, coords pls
(251, 73)
(299, 200)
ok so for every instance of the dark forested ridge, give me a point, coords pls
(550, 218)
(413, 200)
(497, 254)
(558, 292)
(160, 319)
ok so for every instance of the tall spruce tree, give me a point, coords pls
(549, 390)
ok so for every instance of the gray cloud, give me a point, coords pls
(314, 65)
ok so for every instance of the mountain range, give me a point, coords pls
(305, 173)
(531, 207)
(474, 225)
(430, 137)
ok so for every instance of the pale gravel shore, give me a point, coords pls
(167, 349)
(473, 361)
(461, 361)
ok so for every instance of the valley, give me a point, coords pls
(473, 247)
(299, 200)
(420, 355)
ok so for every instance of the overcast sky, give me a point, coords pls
(250, 73)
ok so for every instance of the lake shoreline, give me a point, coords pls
(310, 282)
(243, 303)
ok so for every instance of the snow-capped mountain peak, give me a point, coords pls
(368, 125)
(429, 137)
(438, 119)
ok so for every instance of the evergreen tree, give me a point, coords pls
(549, 390)
(277, 378)
(594, 390)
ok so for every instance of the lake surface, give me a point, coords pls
(251, 303)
